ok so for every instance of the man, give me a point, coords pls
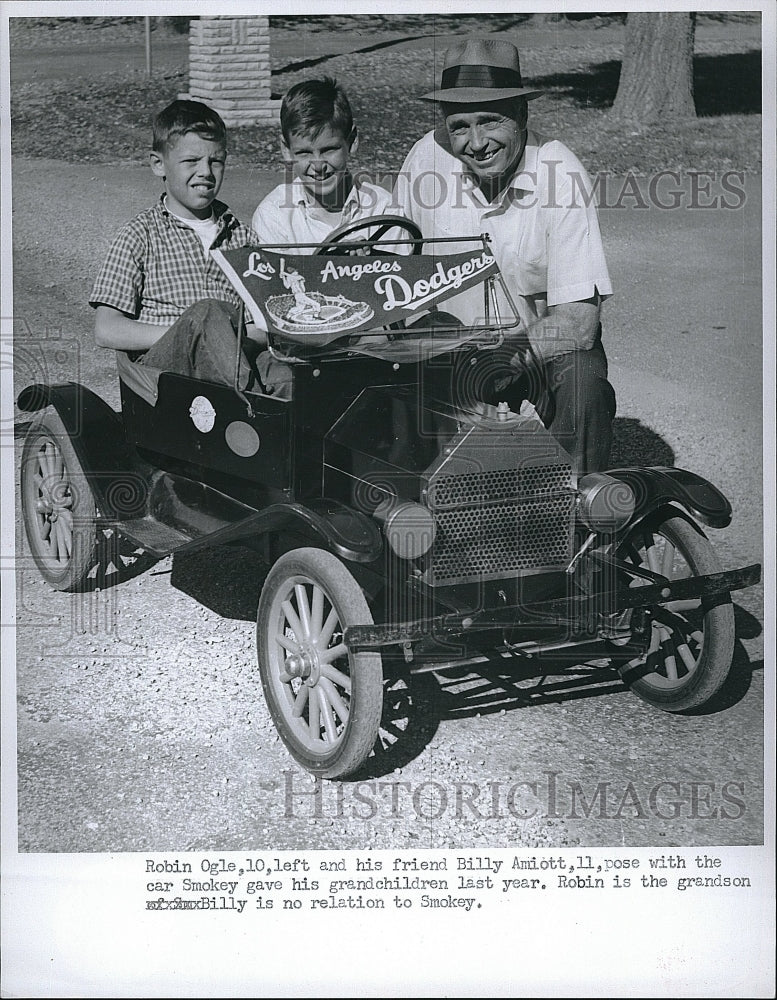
(485, 172)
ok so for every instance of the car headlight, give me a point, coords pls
(409, 527)
(605, 504)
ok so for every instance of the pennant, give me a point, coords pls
(314, 300)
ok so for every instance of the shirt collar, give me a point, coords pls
(221, 213)
(301, 196)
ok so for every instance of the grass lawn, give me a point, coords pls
(105, 116)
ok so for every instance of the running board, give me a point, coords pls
(182, 514)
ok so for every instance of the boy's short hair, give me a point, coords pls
(181, 117)
(311, 105)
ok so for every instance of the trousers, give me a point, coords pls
(571, 394)
(202, 343)
(577, 405)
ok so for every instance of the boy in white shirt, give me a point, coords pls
(318, 137)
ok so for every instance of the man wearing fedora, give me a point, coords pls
(483, 171)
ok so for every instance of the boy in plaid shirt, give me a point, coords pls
(159, 295)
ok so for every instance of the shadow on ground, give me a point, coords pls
(727, 84)
(294, 67)
(415, 705)
(633, 443)
(226, 579)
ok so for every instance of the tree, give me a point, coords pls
(657, 70)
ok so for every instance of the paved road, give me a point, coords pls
(169, 55)
(120, 690)
(47, 65)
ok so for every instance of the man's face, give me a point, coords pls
(488, 138)
(321, 163)
(193, 169)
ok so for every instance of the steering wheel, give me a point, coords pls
(380, 223)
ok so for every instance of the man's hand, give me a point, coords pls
(522, 360)
(516, 364)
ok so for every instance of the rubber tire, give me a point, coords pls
(717, 648)
(360, 733)
(71, 576)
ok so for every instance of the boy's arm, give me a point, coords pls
(267, 224)
(118, 292)
(256, 331)
(115, 330)
(118, 332)
(272, 220)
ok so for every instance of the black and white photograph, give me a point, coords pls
(388, 498)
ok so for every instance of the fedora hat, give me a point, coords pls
(481, 69)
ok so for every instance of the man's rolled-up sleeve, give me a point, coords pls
(577, 268)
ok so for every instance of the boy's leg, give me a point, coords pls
(202, 343)
(274, 375)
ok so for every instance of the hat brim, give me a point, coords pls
(478, 95)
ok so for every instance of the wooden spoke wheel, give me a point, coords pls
(692, 642)
(58, 505)
(325, 700)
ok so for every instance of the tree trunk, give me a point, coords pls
(657, 71)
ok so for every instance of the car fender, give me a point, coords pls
(119, 478)
(654, 487)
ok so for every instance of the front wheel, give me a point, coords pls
(692, 642)
(326, 701)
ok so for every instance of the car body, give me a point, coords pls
(405, 521)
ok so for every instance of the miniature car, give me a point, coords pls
(405, 518)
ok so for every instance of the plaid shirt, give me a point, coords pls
(156, 268)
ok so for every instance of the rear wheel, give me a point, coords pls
(58, 505)
(325, 700)
(692, 641)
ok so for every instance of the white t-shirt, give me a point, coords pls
(206, 229)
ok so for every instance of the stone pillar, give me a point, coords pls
(229, 68)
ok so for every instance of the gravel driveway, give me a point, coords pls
(141, 724)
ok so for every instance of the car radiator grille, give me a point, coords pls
(501, 522)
